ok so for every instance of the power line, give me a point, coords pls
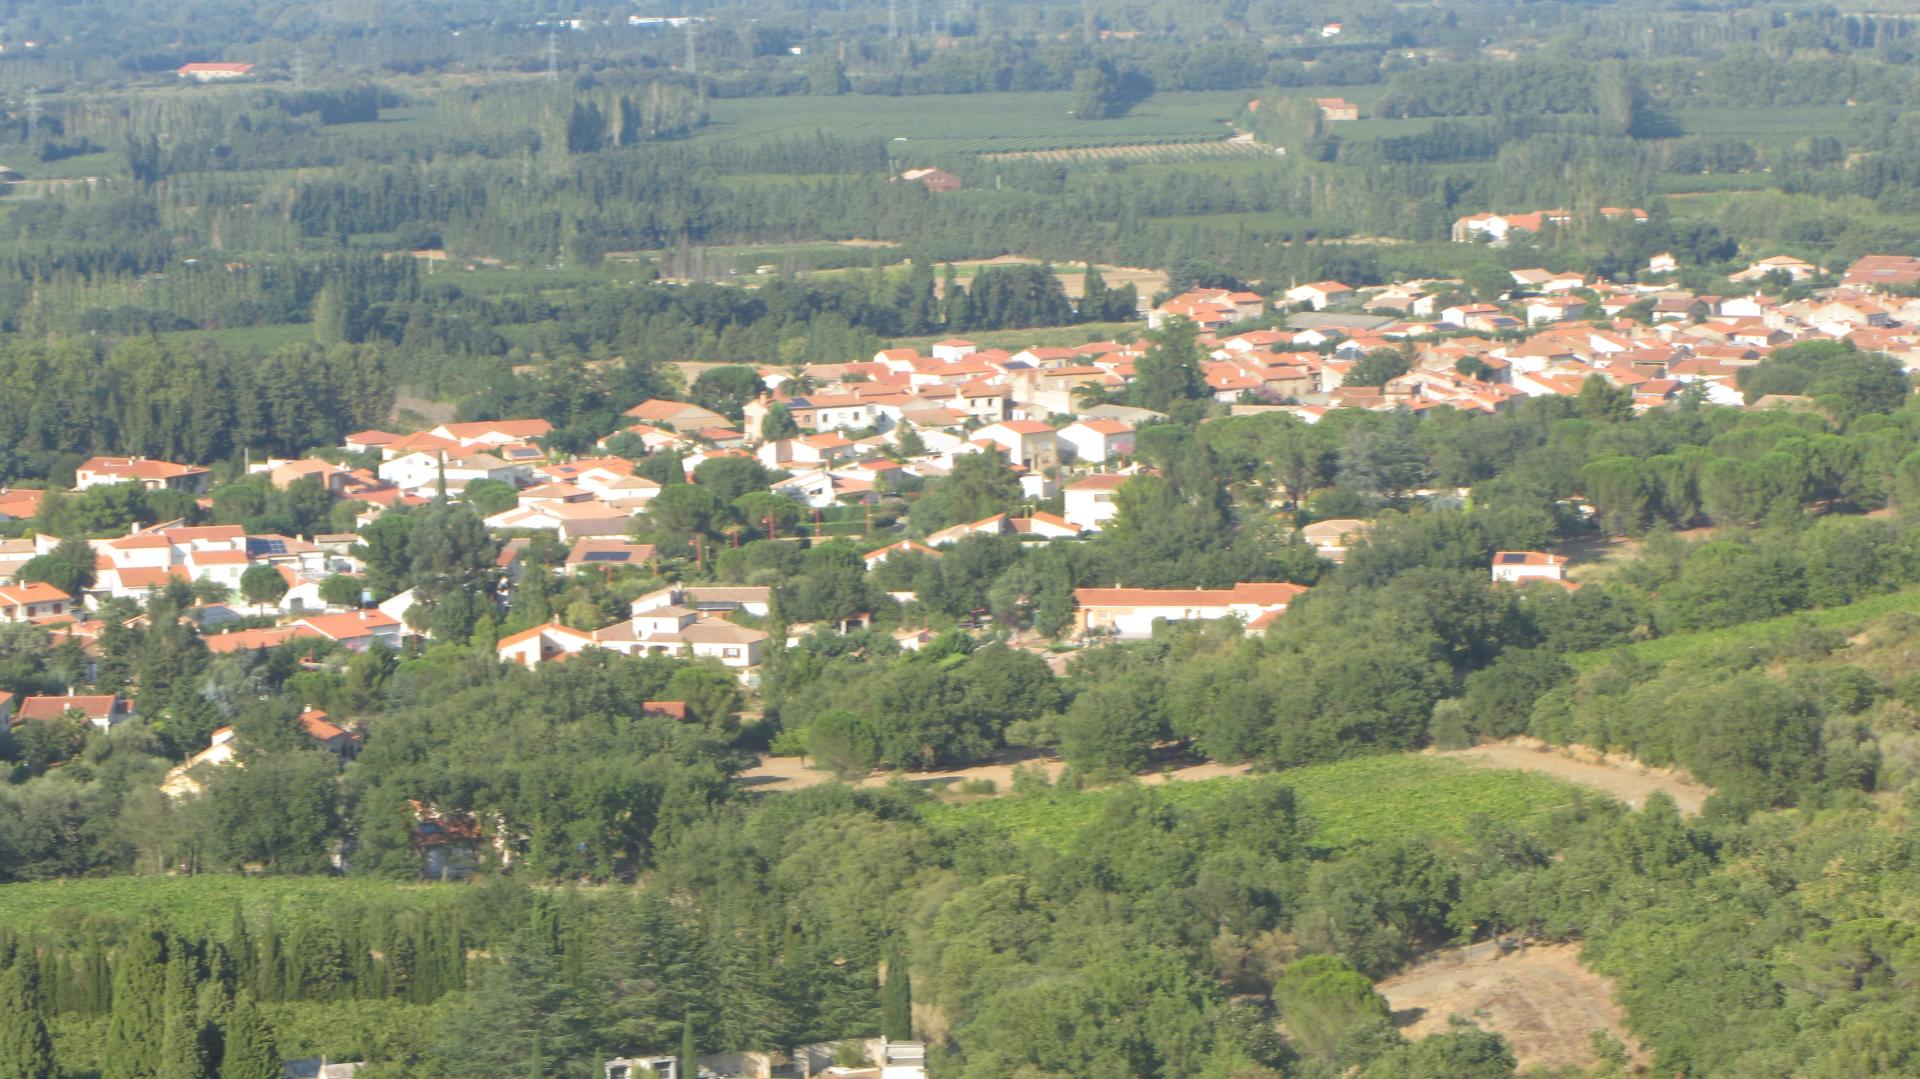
(553, 54)
(33, 112)
(299, 70)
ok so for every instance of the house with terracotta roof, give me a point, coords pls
(20, 505)
(328, 735)
(953, 349)
(492, 433)
(1089, 501)
(145, 471)
(667, 622)
(424, 472)
(1795, 269)
(246, 640)
(186, 777)
(103, 710)
(1209, 308)
(368, 441)
(682, 416)
(1336, 109)
(1131, 613)
(1320, 294)
(31, 600)
(1513, 566)
(598, 555)
(1027, 443)
(1883, 271)
(1043, 525)
(1331, 538)
(356, 631)
(570, 520)
(1096, 441)
(906, 546)
(542, 644)
(995, 525)
(934, 180)
(805, 451)
(217, 71)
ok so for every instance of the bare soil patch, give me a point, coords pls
(437, 412)
(1537, 996)
(1621, 776)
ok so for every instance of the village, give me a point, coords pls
(843, 436)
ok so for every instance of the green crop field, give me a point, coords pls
(1350, 802)
(1765, 125)
(192, 905)
(1750, 634)
(970, 123)
(243, 338)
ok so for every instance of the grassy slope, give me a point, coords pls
(1352, 802)
(1701, 642)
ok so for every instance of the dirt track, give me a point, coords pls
(792, 773)
(1624, 778)
(1539, 997)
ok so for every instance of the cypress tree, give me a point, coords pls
(266, 969)
(896, 998)
(182, 1046)
(240, 945)
(401, 956)
(26, 1050)
(96, 978)
(250, 1050)
(689, 1050)
(1093, 293)
(139, 1008)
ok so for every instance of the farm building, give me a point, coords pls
(935, 180)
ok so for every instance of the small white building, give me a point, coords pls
(1130, 613)
(1510, 566)
(1089, 501)
(1096, 441)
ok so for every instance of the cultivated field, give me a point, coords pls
(1214, 150)
(926, 127)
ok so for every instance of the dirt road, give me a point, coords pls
(792, 773)
(1624, 778)
(1539, 997)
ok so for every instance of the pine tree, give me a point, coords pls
(250, 1049)
(26, 1050)
(139, 1008)
(896, 998)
